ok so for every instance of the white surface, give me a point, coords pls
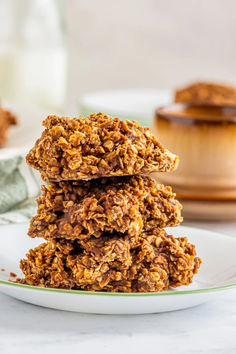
(213, 273)
(27, 329)
(208, 328)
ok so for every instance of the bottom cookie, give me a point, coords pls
(152, 262)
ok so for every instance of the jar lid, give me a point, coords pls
(190, 114)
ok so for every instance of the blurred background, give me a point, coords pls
(126, 58)
(52, 51)
(148, 43)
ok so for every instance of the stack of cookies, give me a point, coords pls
(102, 217)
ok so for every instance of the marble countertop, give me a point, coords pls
(209, 328)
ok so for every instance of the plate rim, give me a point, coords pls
(84, 101)
(126, 294)
(100, 293)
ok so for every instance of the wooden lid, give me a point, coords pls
(190, 114)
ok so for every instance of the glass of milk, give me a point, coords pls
(32, 53)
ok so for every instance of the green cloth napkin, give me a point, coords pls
(19, 187)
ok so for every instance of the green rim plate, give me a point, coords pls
(100, 293)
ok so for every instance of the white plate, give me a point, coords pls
(217, 274)
(126, 104)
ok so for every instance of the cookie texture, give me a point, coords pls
(152, 262)
(84, 209)
(97, 146)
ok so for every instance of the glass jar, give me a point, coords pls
(32, 53)
(204, 138)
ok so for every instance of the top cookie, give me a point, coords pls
(206, 93)
(97, 146)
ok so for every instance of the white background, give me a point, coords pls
(149, 43)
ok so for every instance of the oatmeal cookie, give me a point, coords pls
(206, 93)
(97, 146)
(152, 262)
(6, 120)
(81, 209)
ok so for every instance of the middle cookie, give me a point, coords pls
(81, 209)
